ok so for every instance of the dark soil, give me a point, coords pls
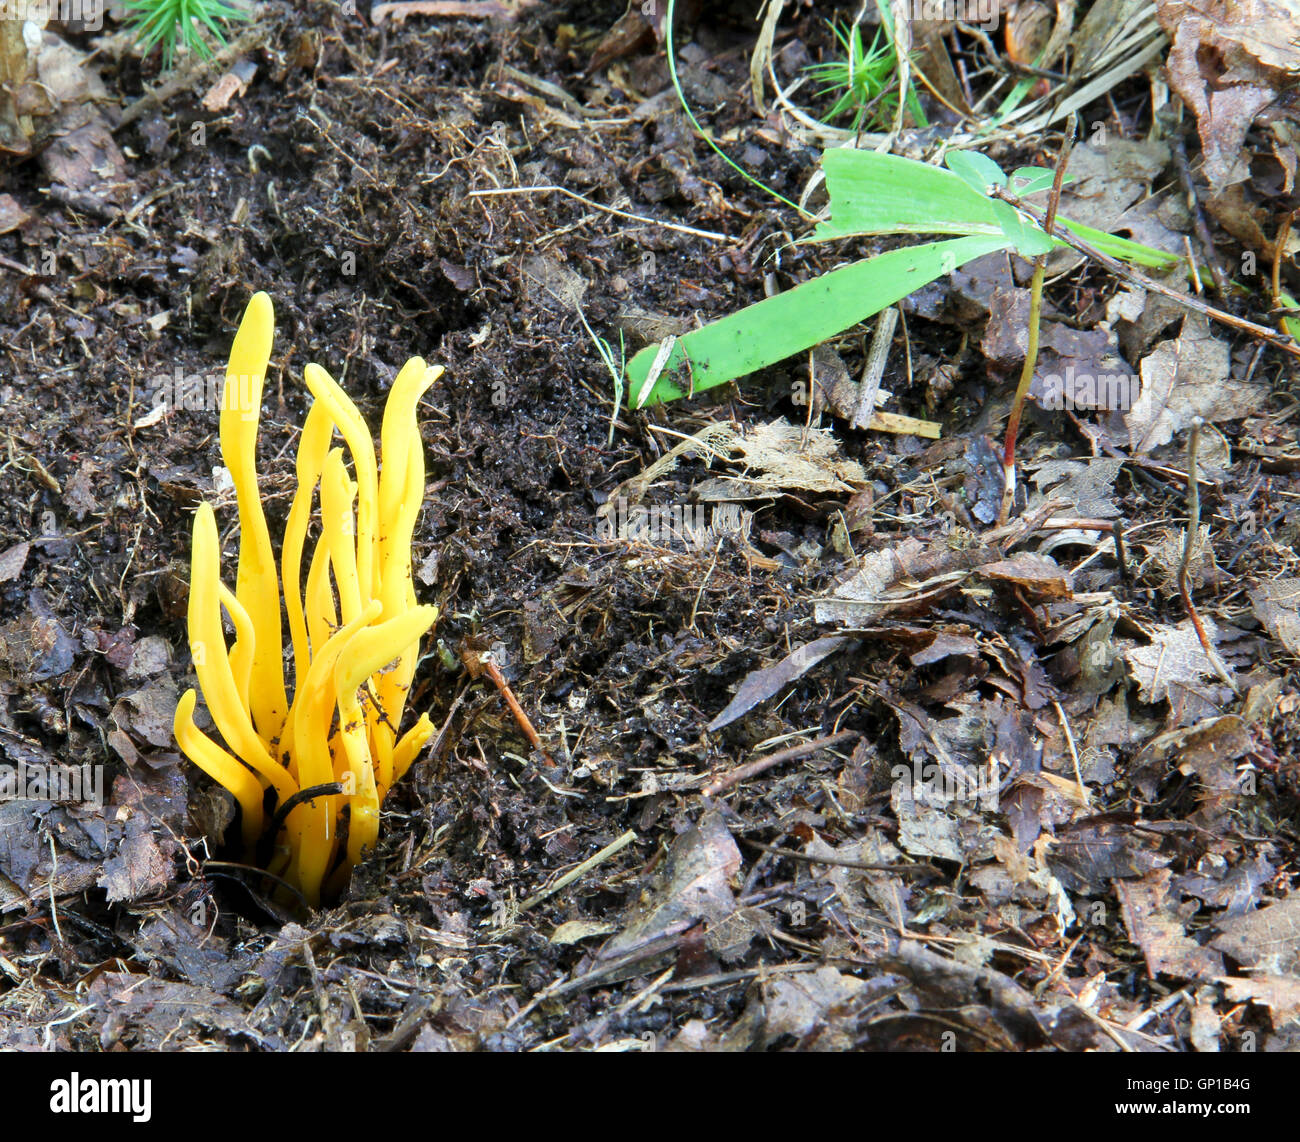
(343, 182)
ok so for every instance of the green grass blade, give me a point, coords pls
(886, 194)
(1123, 248)
(807, 315)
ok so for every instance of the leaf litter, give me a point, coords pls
(998, 777)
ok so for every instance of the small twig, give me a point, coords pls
(1193, 270)
(840, 862)
(1074, 753)
(1198, 220)
(459, 9)
(54, 873)
(1279, 246)
(185, 79)
(1189, 540)
(480, 662)
(1188, 301)
(878, 355)
(493, 671)
(1280, 302)
(17, 267)
(753, 768)
(586, 866)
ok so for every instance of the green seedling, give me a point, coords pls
(165, 21)
(871, 194)
(865, 80)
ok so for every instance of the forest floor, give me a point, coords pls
(1008, 801)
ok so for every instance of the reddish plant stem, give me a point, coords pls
(1189, 541)
(1031, 350)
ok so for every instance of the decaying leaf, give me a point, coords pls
(696, 888)
(799, 1004)
(855, 888)
(1175, 661)
(1228, 61)
(12, 561)
(1266, 940)
(1279, 993)
(1039, 577)
(1183, 378)
(1277, 606)
(760, 685)
(1088, 486)
(1086, 856)
(1153, 923)
(780, 455)
(1209, 750)
(1112, 192)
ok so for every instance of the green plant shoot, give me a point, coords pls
(164, 21)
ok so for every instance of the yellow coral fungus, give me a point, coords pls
(355, 627)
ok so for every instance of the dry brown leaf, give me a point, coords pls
(1039, 575)
(1209, 750)
(1112, 192)
(1279, 993)
(1183, 378)
(1229, 60)
(1277, 606)
(1151, 917)
(782, 455)
(12, 561)
(11, 214)
(1266, 940)
(800, 1004)
(695, 887)
(759, 685)
(1174, 661)
(866, 593)
(1087, 485)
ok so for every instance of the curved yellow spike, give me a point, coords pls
(402, 448)
(326, 390)
(312, 448)
(366, 653)
(313, 824)
(400, 430)
(241, 653)
(211, 662)
(256, 584)
(321, 616)
(339, 531)
(221, 767)
(408, 749)
(398, 594)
